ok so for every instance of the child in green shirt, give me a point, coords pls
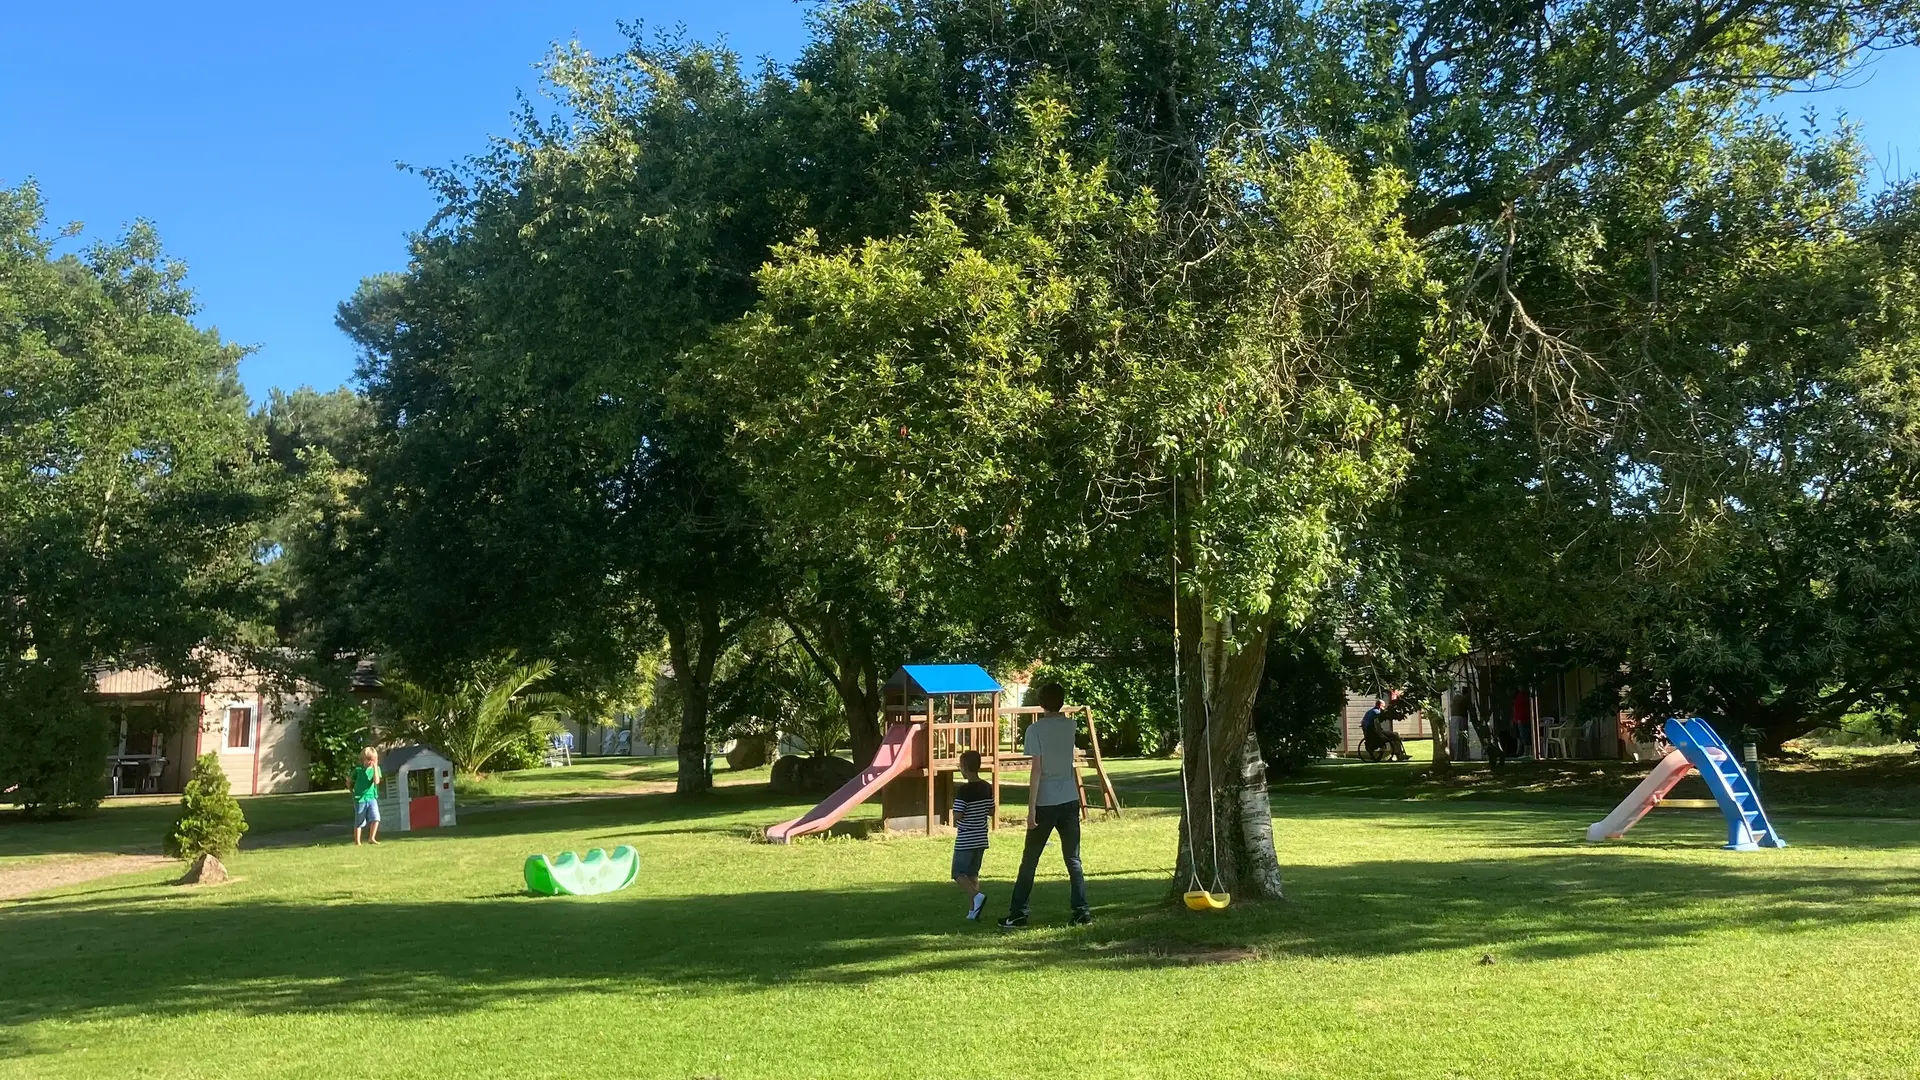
(366, 797)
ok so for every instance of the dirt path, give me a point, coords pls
(18, 881)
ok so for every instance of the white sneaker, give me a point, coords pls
(979, 901)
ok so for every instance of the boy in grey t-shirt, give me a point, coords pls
(1053, 805)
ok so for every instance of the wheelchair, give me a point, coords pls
(1377, 747)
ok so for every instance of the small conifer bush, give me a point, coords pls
(210, 821)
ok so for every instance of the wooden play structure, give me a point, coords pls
(933, 713)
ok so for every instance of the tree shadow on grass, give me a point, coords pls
(122, 953)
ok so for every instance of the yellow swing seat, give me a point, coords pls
(1202, 900)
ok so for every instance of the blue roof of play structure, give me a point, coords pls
(947, 679)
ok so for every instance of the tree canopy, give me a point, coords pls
(133, 494)
(1518, 332)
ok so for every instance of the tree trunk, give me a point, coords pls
(847, 662)
(1442, 726)
(857, 681)
(1480, 715)
(1226, 827)
(693, 650)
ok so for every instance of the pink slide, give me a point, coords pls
(898, 753)
(1672, 769)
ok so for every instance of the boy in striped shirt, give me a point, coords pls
(972, 810)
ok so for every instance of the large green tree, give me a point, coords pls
(320, 441)
(1046, 396)
(532, 487)
(1806, 604)
(133, 493)
(1690, 470)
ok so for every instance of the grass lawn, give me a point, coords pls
(1662, 956)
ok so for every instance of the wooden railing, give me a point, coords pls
(951, 739)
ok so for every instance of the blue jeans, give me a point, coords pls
(1065, 819)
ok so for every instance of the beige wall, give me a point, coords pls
(283, 760)
(276, 762)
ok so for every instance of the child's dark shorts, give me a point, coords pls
(966, 862)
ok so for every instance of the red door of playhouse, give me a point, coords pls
(423, 802)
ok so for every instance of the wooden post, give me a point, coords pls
(1110, 797)
(930, 722)
(993, 818)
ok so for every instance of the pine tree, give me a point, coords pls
(210, 820)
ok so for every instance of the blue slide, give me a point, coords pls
(1747, 826)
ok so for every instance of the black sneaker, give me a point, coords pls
(1081, 918)
(1013, 922)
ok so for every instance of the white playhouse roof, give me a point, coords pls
(412, 756)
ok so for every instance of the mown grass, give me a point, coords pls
(1662, 956)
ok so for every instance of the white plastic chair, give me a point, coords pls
(1554, 735)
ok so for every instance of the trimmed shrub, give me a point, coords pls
(53, 745)
(210, 821)
(1296, 716)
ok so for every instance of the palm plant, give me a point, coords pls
(482, 713)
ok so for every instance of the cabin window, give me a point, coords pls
(239, 728)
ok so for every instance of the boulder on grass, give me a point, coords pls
(748, 753)
(796, 775)
(206, 870)
(823, 775)
(786, 775)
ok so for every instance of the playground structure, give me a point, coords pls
(1696, 745)
(933, 713)
(571, 875)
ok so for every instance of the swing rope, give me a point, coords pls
(1198, 897)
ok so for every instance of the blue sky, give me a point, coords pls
(262, 138)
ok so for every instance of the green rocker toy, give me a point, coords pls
(567, 875)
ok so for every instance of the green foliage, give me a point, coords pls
(982, 318)
(1724, 515)
(998, 405)
(490, 714)
(53, 742)
(1302, 696)
(766, 684)
(975, 359)
(526, 752)
(534, 488)
(322, 442)
(210, 821)
(1132, 702)
(133, 493)
(334, 730)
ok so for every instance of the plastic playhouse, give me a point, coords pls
(418, 792)
(1697, 746)
(932, 714)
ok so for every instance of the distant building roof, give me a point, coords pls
(932, 679)
(131, 682)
